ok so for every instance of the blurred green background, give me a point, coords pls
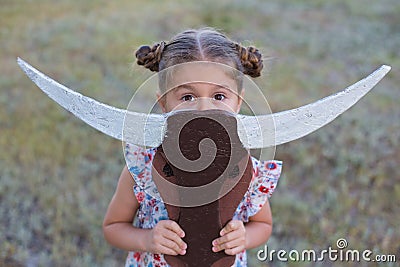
(58, 174)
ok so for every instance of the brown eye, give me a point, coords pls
(219, 97)
(187, 98)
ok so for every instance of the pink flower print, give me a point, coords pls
(136, 256)
(263, 189)
(255, 170)
(141, 175)
(140, 196)
(272, 186)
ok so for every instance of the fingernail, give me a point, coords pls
(214, 243)
(183, 252)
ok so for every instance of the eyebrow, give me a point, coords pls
(192, 88)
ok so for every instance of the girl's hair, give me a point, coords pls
(205, 44)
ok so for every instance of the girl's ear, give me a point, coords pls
(240, 100)
(161, 101)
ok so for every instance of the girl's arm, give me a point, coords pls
(165, 238)
(259, 227)
(236, 236)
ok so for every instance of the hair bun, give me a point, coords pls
(251, 60)
(150, 57)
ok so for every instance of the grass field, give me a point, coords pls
(57, 174)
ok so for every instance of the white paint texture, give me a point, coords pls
(254, 131)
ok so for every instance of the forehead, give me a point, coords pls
(201, 72)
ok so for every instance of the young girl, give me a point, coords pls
(137, 221)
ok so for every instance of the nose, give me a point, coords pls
(205, 103)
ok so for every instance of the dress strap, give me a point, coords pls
(139, 163)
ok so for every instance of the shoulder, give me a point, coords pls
(265, 177)
(264, 182)
(138, 158)
(137, 154)
(270, 169)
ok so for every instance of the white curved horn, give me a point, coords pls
(105, 118)
(260, 131)
(254, 131)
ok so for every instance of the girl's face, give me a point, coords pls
(201, 87)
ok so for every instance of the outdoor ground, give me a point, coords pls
(57, 174)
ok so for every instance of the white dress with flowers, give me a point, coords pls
(152, 209)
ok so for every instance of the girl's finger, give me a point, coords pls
(229, 245)
(170, 235)
(234, 251)
(227, 237)
(167, 243)
(167, 251)
(173, 226)
(231, 226)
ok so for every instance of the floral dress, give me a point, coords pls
(152, 209)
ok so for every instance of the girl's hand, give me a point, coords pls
(166, 238)
(232, 240)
